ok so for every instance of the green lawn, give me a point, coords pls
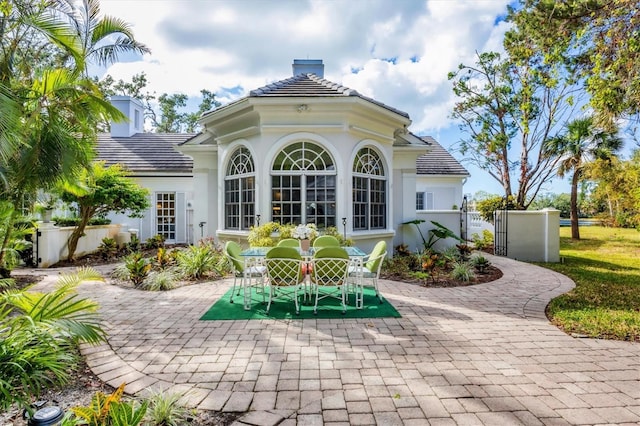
(605, 265)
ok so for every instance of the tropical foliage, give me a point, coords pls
(49, 108)
(103, 190)
(13, 238)
(436, 233)
(38, 336)
(435, 268)
(166, 269)
(107, 410)
(580, 145)
(597, 37)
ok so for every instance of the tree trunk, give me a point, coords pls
(72, 243)
(575, 230)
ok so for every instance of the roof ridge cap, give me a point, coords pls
(332, 85)
(274, 85)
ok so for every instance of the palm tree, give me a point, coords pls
(102, 38)
(581, 144)
(57, 107)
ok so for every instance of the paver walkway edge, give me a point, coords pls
(483, 354)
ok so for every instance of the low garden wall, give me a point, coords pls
(50, 245)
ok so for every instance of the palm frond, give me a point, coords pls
(84, 273)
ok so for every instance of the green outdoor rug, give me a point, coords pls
(328, 308)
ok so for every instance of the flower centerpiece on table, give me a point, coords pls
(305, 233)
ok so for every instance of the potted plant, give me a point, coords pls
(45, 205)
(304, 233)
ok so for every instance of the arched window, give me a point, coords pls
(303, 186)
(239, 191)
(369, 191)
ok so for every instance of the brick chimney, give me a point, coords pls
(308, 66)
(134, 111)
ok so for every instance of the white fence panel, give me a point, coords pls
(52, 241)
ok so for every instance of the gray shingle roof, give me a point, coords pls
(145, 152)
(438, 161)
(310, 85)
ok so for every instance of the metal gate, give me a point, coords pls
(464, 227)
(500, 222)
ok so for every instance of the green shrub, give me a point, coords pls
(484, 241)
(38, 337)
(157, 241)
(333, 231)
(165, 258)
(121, 272)
(138, 267)
(108, 249)
(260, 236)
(488, 206)
(166, 409)
(107, 410)
(450, 254)
(421, 275)
(74, 221)
(400, 266)
(197, 261)
(133, 245)
(161, 280)
(462, 271)
(479, 262)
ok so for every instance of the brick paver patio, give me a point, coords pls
(477, 355)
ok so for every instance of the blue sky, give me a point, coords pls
(398, 52)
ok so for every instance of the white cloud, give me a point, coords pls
(402, 49)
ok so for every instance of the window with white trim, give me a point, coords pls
(419, 200)
(369, 191)
(166, 215)
(239, 191)
(303, 186)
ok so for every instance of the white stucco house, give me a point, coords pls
(299, 150)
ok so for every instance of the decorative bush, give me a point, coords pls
(483, 241)
(138, 267)
(106, 410)
(480, 262)
(38, 337)
(154, 242)
(74, 221)
(262, 236)
(462, 271)
(197, 261)
(161, 280)
(166, 409)
(108, 249)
